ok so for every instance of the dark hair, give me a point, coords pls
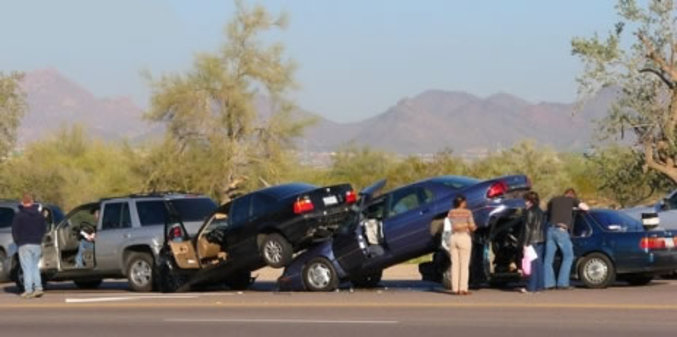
(570, 191)
(459, 200)
(532, 197)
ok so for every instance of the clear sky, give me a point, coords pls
(356, 57)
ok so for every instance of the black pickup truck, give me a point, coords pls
(265, 227)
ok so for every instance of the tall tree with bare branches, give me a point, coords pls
(644, 69)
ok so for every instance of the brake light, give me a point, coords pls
(497, 189)
(652, 243)
(303, 206)
(175, 233)
(351, 197)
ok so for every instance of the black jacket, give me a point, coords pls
(28, 226)
(534, 226)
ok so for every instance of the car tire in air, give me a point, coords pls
(319, 275)
(140, 273)
(276, 251)
(596, 271)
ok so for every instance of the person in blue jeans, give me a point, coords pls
(28, 229)
(534, 236)
(561, 217)
(87, 238)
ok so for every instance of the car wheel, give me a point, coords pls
(638, 279)
(18, 277)
(140, 272)
(370, 280)
(446, 279)
(319, 275)
(169, 279)
(89, 284)
(276, 251)
(596, 271)
(239, 281)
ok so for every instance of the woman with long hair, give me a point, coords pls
(534, 237)
(460, 245)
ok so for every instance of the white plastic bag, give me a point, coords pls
(529, 255)
(446, 234)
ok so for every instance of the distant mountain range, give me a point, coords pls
(429, 122)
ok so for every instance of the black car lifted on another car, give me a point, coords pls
(265, 227)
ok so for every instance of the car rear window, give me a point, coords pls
(617, 221)
(194, 209)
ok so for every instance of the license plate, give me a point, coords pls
(669, 243)
(331, 200)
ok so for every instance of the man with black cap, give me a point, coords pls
(28, 228)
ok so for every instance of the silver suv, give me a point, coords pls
(129, 236)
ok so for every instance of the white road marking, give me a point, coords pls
(272, 320)
(127, 298)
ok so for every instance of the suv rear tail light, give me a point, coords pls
(351, 197)
(303, 205)
(175, 233)
(497, 189)
(652, 243)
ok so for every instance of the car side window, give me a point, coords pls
(581, 227)
(116, 216)
(426, 196)
(6, 217)
(671, 203)
(152, 213)
(240, 210)
(404, 201)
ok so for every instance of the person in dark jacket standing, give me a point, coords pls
(28, 228)
(561, 217)
(534, 236)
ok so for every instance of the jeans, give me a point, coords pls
(84, 246)
(558, 238)
(536, 281)
(29, 258)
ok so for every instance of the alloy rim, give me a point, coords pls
(141, 273)
(273, 251)
(596, 271)
(319, 275)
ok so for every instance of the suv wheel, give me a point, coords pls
(276, 251)
(140, 272)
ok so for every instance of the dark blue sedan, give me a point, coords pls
(405, 223)
(610, 245)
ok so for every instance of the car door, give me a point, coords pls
(408, 217)
(115, 226)
(50, 252)
(240, 238)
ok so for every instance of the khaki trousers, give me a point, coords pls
(460, 247)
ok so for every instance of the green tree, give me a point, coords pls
(619, 174)
(645, 71)
(217, 141)
(360, 166)
(71, 168)
(12, 108)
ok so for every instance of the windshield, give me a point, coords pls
(617, 221)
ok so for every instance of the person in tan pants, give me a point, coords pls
(460, 245)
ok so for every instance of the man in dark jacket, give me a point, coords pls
(28, 228)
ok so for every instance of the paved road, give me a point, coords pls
(399, 308)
